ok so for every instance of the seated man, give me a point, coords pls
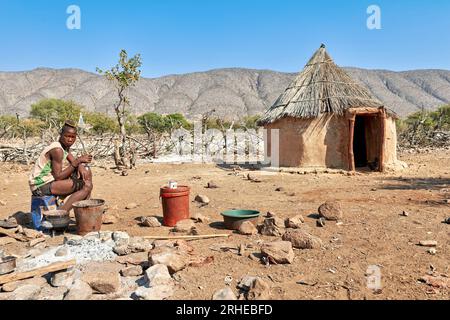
(49, 178)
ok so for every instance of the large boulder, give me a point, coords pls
(301, 239)
(331, 210)
(278, 252)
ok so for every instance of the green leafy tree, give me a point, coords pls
(54, 112)
(156, 126)
(100, 123)
(123, 75)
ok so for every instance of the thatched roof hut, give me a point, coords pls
(319, 110)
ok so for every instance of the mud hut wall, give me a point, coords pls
(390, 145)
(318, 142)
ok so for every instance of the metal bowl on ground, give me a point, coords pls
(59, 219)
(7, 265)
(233, 219)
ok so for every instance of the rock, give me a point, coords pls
(259, 290)
(102, 281)
(6, 240)
(50, 293)
(109, 218)
(12, 286)
(301, 239)
(173, 260)
(270, 214)
(32, 234)
(247, 228)
(320, 222)
(27, 292)
(138, 244)
(61, 252)
(184, 226)
(122, 250)
(158, 275)
(279, 189)
(447, 220)
(405, 214)
(436, 281)
(80, 290)
(72, 240)
(432, 251)
(163, 243)
(331, 210)
(224, 294)
(63, 278)
(272, 227)
(212, 185)
(246, 282)
(198, 217)
(150, 222)
(131, 205)
(160, 292)
(3, 203)
(121, 238)
(202, 199)
(278, 252)
(428, 243)
(294, 222)
(131, 271)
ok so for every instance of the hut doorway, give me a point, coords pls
(360, 142)
(366, 141)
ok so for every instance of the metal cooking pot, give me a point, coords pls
(59, 219)
(7, 265)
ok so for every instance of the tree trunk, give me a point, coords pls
(123, 137)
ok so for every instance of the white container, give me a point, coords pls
(173, 184)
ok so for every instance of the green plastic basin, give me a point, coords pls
(234, 218)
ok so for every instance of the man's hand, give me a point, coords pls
(87, 158)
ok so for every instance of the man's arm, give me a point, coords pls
(56, 157)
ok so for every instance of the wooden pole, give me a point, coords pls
(383, 138)
(58, 266)
(351, 157)
(198, 237)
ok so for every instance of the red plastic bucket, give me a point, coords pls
(175, 203)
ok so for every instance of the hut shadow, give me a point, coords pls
(416, 184)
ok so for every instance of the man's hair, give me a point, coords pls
(68, 125)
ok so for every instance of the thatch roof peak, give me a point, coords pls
(322, 87)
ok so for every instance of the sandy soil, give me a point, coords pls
(373, 233)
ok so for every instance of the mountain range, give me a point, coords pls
(232, 93)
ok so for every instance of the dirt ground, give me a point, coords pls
(373, 233)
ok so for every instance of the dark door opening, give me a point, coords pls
(359, 143)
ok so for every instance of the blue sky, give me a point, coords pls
(176, 36)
